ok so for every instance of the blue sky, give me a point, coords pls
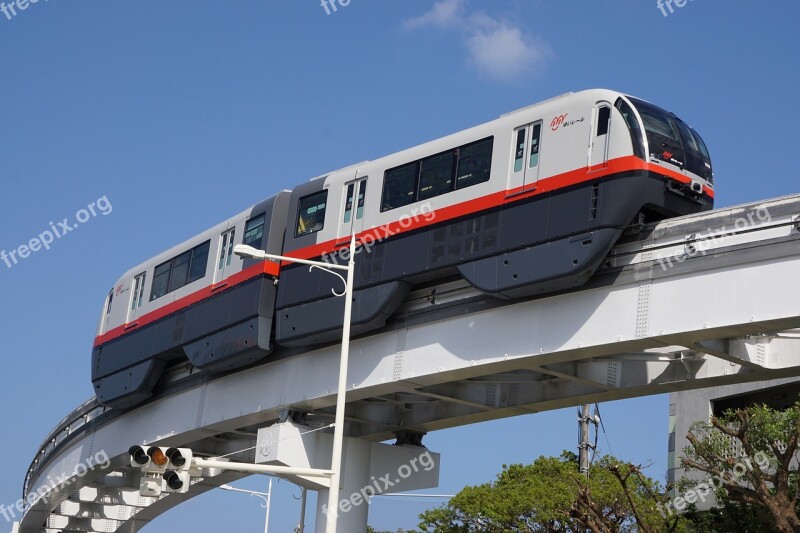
(182, 113)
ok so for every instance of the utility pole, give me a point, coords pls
(583, 444)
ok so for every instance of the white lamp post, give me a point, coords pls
(338, 430)
(266, 496)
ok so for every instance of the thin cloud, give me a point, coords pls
(443, 13)
(497, 48)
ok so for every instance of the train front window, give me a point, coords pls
(662, 133)
(701, 161)
(637, 137)
(671, 140)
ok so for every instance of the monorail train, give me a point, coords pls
(528, 204)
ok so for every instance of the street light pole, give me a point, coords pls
(338, 431)
(338, 428)
(266, 496)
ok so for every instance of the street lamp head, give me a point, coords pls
(248, 252)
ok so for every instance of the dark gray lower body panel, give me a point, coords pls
(541, 269)
(548, 243)
(321, 321)
(226, 331)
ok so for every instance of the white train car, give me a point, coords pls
(528, 204)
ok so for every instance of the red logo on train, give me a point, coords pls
(558, 121)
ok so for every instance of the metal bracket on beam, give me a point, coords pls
(720, 348)
(293, 416)
(408, 437)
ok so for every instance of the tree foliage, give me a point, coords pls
(550, 495)
(750, 458)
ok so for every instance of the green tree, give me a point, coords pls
(750, 458)
(550, 495)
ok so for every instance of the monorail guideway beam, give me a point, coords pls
(704, 300)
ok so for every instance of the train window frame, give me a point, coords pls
(226, 240)
(603, 120)
(519, 149)
(349, 200)
(536, 148)
(137, 294)
(487, 169)
(255, 225)
(319, 205)
(411, 192)
(198, 254)
(448, 157)
(361, 198)
(157, 280)
(459, 182)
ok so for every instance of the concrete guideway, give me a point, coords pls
(693, 302)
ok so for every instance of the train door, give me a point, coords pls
(600, 134)
(225, 259)
(352, 213)
(137, 297)
(525, 157)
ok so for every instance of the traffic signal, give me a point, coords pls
(160, 467)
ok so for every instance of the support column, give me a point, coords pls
(353, 508)
(368, 469)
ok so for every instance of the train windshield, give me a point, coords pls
(673, 141)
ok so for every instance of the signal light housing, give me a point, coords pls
(139, 458)
(176, 457)
(162, 466)
(177, 482)
(158, 456)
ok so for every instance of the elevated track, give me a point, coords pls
(697, 301)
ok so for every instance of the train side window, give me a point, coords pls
(180, 271)
(311, 213)
(362, 195)
(474, 163)
(254, 231)
(226, 248)
(603, 120)
(536, 138)
(160, 280)
(519, 154)
(199, 262)
(110, 300)
(138, 291)
(399, 187)
(436, 175)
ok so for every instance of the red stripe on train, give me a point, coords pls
(553, 183)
